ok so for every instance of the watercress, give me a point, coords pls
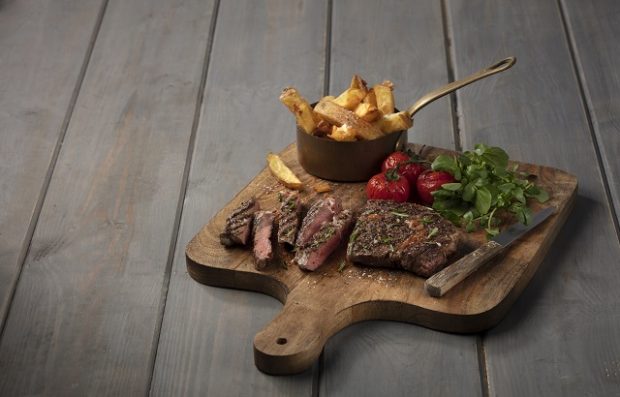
(484, 185)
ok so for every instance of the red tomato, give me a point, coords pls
(429, 181)
(406, 166)
(388, 186)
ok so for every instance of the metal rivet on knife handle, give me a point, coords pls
(443, 281)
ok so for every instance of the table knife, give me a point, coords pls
(441, 282)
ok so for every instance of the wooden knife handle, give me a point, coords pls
(443, 281)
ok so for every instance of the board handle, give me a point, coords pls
(293, 341)
(443, 281)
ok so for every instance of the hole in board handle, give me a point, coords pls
(281, 341)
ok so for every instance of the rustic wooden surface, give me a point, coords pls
(406, 45)
(37, 90)
(315, 307)
(86, 314)
(241, 121)
(594, 28)
(562, 335)
(91, 288)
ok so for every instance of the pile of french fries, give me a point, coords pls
(359, 113)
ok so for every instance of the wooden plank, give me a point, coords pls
(259, 48)
(594, 30)
(39, 70)
(561, 336)
(87, 307)
(396, 41)
(403, 42)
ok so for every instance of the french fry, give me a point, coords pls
(394, 122)
(358, 83)
(339, 116)
(282, 172)
(322, 187)
(342, 134)
(323, 128)
(385, 97)
(370, 98)
(350, 98)
(367, 112)
(300, 108)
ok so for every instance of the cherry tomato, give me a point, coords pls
(429, 181)
(388, 185)
(407, 166)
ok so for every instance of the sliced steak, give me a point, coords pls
(321, 212)
(314, 253)
(402, 235)
(239, 224)
(289, 219)
(263, 226)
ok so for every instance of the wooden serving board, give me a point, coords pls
(319, 304)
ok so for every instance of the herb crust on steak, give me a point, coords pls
(402, 235)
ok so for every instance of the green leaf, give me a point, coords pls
(441, 193)
(539, 194)
(517, 192)
(453, 187)
(483, 200)
(491, 231)
(469, 192)
(448, 164)
(496, 156)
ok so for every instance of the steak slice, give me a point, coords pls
(263, 226)
(402, 235)
(325, 241)
(239, 224)
(321, 212)
(288, 222)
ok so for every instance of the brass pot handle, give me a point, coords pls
(500, 66)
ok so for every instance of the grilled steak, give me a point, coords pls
(402, 235)
(239, 224)
(263, 226)
(321, 212)
(288, 222)
(312, 255)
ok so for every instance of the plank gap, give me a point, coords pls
(328, 47)
(587, 109)
(447, 35)
(23, 254)
(482, 364)
(183, 191)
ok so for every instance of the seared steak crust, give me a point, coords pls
(288, 221)
(321, 212)
(402, 235)
(239, 224)
(314, 253)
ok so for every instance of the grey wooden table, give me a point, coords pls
(125, 125)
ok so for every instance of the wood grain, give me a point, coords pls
(594, 29)
(44, 44)
(399, 41)
(86, 310)
(402, 41)
(315, 307)
(260, 47)
(561, 336)
(440, 283)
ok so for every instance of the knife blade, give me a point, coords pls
(443, 281)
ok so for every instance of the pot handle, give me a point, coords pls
(500, 66)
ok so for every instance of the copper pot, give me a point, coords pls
(360, 160)
(346, 161)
